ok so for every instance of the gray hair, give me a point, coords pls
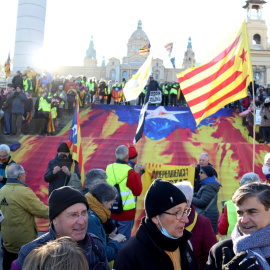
(259, 190)
(121, 152)
(104, 192)
(249, 178)
(14, 170)
(204, 154)
(4, 148)
(266, 157)
(187, 189)
(94, 176)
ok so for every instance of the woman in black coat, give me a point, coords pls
(205, 200)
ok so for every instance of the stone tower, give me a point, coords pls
(90, 59)
(189, 60)
(258, 43)
(29, 33)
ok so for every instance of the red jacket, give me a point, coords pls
(246, 102)
(223, 223)
(135, 184)
(203, 237)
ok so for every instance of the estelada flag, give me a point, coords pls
(7, 67)
(50, 127)
(117, 92)
(74, 140)
(145, 49)
(221, 79)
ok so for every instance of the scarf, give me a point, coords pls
(255, 244)
(102, 212)
(211, 179)
(192, 219)
(161, 240)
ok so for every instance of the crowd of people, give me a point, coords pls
(90, 226)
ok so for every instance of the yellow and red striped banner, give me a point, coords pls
(221, 79)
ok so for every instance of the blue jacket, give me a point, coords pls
(95, 227)
(92, 257)
(209, 188)
(18, 102)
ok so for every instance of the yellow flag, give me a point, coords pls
(136, 84)
(221, 79)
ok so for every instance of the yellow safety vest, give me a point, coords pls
(174, 89)
(164, 89)
(26, 86)
(118, 174)
(44, 105)
(91, 87)
(54, 112)
(232, 219)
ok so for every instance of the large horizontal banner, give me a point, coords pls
(170, 173)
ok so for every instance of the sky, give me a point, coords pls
(70, 25)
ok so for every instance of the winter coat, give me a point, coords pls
(265, 112)
(203, 236)
(59, 179)
(208, 191)
(153, 86)
(71, 95)
(95, 227)
(246, 102)
(20, 206)
(7, 103)
(102, 88)
(17, 81)
(3, 170)
(142, 253)
(94, 256)
(19, 98)
(215, 255)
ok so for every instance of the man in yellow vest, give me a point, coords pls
(130, 186)
(44, 108)
(27, 84)
(173, 93)
(165, 93)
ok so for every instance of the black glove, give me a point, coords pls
(265, 117)
(237, 261)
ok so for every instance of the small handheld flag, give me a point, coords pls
(169, 47)
(145, 49)
(7, 67)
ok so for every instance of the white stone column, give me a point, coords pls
(29, 33)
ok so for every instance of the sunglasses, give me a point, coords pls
(201, 172)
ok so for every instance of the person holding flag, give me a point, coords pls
(59, 169)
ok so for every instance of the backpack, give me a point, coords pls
(117, 206)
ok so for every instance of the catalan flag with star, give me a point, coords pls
(221, 79)
(7, 67)
(74, 140)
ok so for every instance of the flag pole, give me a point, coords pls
(254, 127)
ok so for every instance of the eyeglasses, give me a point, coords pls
(179, 214)
(75, 215)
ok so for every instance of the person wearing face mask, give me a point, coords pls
(5, 161)
(161, 241)
(61, 168)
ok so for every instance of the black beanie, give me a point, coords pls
(209, 170)
(63, 148)
(161, 196)
(62, 198)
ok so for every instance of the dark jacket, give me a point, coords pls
(28, 106)
(17, 81)
(153, 86)
(3, 170)
(7, 103)
(95, 227)
(60, 178)
(19, 98)
(215, 255)
(102, 88)
(94, 257)
(203, 237)
(142, 253)
(204, 196)
(197, 177)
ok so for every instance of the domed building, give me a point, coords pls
(115, 70)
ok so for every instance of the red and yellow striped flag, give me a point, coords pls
(145, 49)
(221, 79)
(50, 127)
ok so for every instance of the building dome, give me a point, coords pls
(137, 40)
